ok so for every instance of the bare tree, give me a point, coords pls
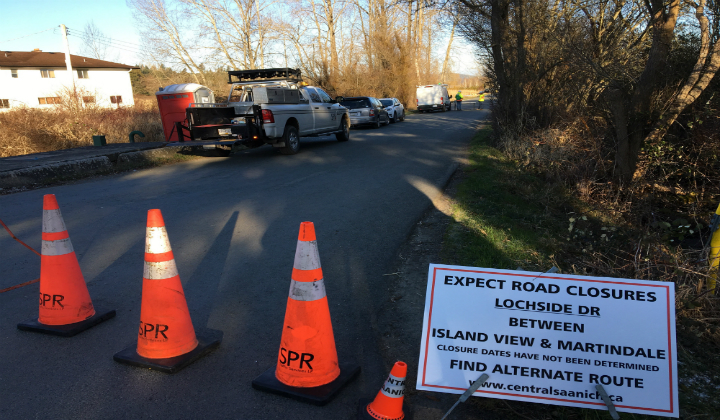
(447, 52)
(95, 43)
(160, 29)
(210, 16)
(706, 66)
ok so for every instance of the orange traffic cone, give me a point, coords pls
(166, 338)
(388, 404)
(65, 305)
(307, 367)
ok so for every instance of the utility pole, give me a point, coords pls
(68, 64)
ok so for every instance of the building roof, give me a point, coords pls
(19, 59)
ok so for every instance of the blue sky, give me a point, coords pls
(26, 18)
(20, 22)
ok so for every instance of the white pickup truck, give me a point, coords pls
(269, 106)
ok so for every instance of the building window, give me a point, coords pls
(82, 73)
(89, 99)
(47, 74)
(4, 103)
(116, 99)
(49, 100)
(14, 73)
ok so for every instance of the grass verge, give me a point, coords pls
(505, 216)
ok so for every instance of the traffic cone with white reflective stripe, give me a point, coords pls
(307, 368)
(166, 337)
(65, 305)
(388, 404)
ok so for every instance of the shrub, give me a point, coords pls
(33, 130)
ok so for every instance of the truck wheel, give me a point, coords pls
(344, 134)
(291, 139)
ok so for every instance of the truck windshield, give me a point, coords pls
(356, 103)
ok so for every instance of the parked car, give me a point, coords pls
(366, 110)
(394, 108)
(432, 98)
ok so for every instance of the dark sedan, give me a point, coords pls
(366, 110)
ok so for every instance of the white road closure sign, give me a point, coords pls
(551, 338)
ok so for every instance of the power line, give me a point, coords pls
(25, 36)
(106, 39)
(109, 44)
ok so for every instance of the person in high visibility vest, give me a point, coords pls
(458, 100)
(482, 97)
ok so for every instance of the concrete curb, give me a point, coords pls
(54, 171)
(147, 156)
(80, 168)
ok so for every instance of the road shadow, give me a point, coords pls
(202, 287)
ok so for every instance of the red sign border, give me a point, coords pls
(670, 357)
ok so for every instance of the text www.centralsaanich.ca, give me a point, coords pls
(549, 391)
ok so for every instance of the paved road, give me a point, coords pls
(233, 226)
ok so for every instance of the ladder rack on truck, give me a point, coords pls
(287, 74)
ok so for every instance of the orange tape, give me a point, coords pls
(16, 238)
(55, 236)
(7, 289)
(307, 275)
(162, 257)
(19, 285)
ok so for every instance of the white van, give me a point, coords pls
(433, 98)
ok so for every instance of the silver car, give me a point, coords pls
(365, 110)
(394, 108)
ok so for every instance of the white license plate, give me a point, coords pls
(355, 114)
(434, 106)
(224, 131)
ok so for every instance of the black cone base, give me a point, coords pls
(67, 330)
(319, 395)
(208, 341)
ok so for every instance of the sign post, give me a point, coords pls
(551, 338)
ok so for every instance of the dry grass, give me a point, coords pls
(660, 223)
(32, 130)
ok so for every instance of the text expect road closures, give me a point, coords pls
(550, 338)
